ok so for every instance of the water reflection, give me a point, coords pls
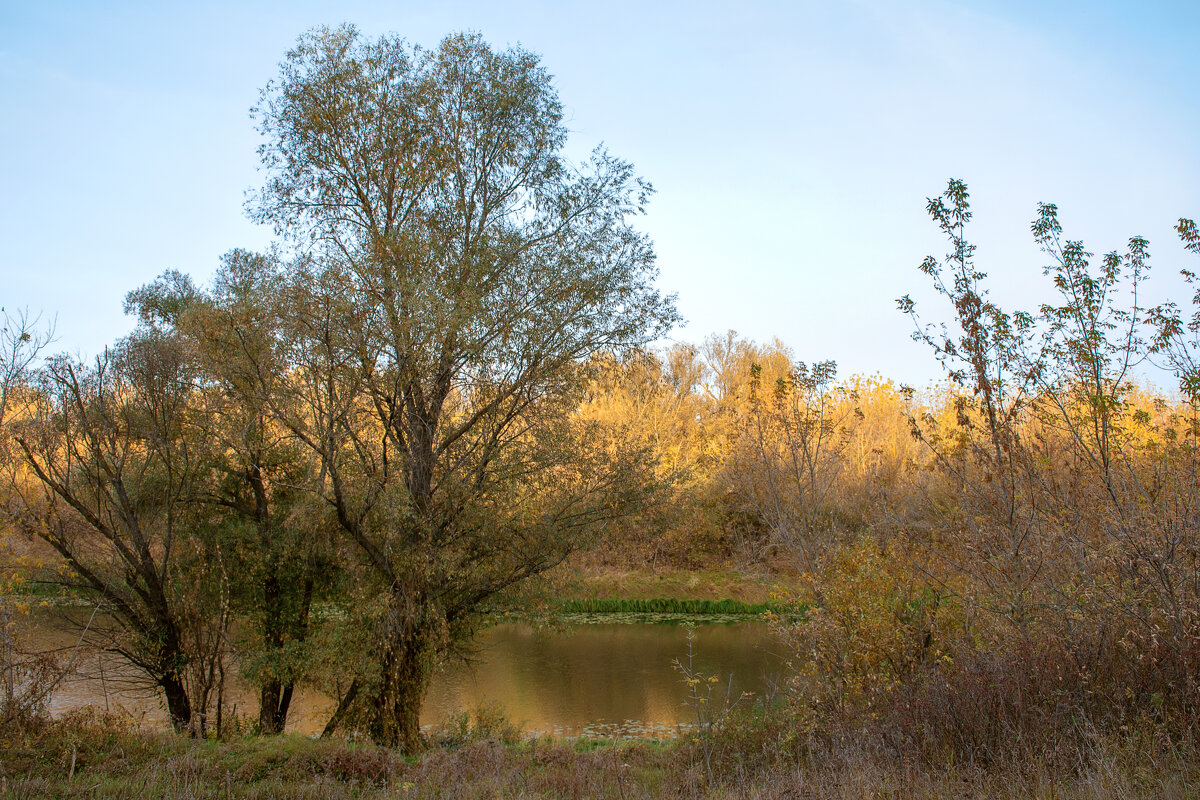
(584, 679)
(602, 674)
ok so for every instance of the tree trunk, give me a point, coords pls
(344, 706)
(395, 716)
(390, 710)
(276, 695)
(273, 706)
(179, 708)
(269, 717)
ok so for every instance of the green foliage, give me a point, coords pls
(863, 627)
(663, 606)
(162, 304)
(1176, 337)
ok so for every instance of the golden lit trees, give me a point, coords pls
(789, 455)
(652, 407)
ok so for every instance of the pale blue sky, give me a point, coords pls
(792, 144)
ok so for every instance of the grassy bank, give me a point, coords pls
(591, 582)
(578, 590)
(94, 757)
(662, 605)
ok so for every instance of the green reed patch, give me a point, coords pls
(663, 605)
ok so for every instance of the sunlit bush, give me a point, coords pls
(862, 628)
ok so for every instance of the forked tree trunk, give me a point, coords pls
(391, 708)
(276, 695)
(273, 706)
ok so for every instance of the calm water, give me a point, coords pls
(587, 679)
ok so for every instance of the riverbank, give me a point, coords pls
(574, 590)
(104, 757)
(608, 583)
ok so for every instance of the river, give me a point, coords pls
(598, 678)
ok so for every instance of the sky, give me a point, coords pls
(792, 145)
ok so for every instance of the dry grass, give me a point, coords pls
(100, 757)
(582, 579)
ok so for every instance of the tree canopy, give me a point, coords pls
(467, 272)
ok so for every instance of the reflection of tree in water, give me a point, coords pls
(599, 673)
(102, 679)
(547, 681)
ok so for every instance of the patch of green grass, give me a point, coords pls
(26, 586)
(662, 605)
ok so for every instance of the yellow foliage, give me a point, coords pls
(864, 625)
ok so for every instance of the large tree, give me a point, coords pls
(468, 271)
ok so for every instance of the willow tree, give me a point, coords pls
(468, 271)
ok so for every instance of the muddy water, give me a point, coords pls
(595, 679)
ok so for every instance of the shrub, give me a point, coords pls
(487, 723)
(862, 627)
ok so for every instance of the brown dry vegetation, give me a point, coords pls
(99, 757)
